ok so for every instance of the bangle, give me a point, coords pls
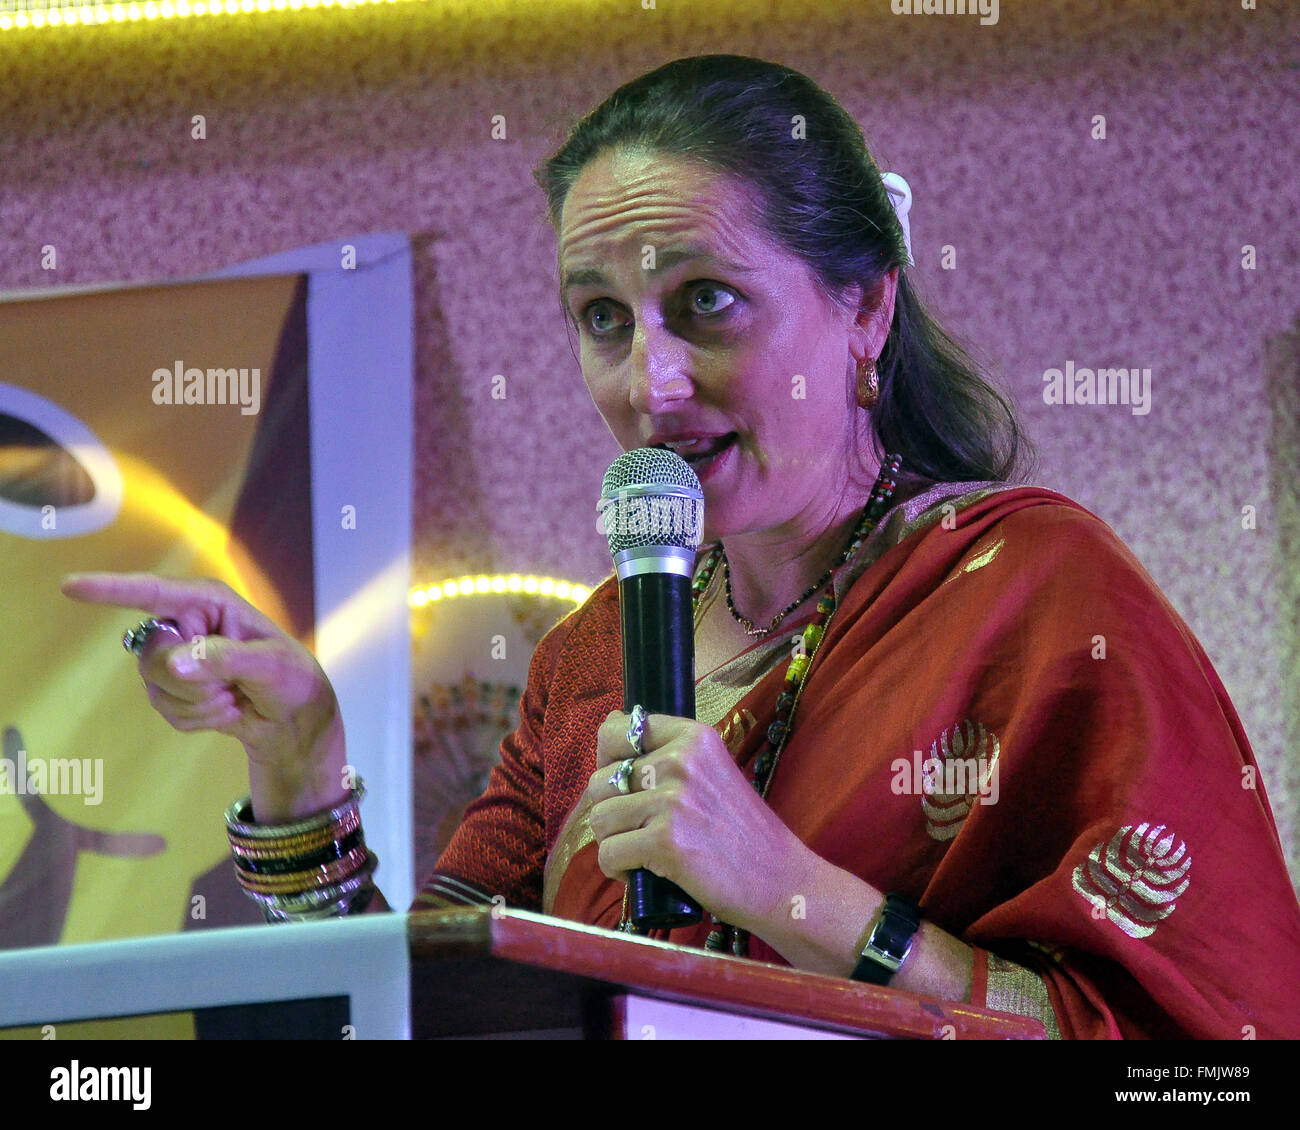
(889, 940)
(294, 882)
(317, 867)
(348, 904)
(262, 862)
(334, 901)
(265, 847)
(239, 818)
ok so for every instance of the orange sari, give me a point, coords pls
(1007, 721)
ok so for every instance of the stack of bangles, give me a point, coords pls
(318, 867)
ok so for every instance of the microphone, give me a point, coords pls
(652, 511)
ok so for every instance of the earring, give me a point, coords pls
(868, 385)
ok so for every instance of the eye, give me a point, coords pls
(586, 319)
(715, 292)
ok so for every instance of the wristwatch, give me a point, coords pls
(890, 940)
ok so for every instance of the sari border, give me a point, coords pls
(1014, 988)
(575, 834)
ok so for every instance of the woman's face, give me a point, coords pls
(697, 331)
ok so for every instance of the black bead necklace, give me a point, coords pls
(881, 492)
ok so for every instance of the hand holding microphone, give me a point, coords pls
(652, 510)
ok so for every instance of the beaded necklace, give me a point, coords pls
(722, 936)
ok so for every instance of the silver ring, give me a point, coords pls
(622, 775)
(636, 731)
(136, 638)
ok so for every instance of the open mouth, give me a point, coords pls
(702, 453)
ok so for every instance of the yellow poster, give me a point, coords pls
(140, 429)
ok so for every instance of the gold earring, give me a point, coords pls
(868, 386)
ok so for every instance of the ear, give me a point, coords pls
(875, 316)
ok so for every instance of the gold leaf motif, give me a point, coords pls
(980, 558)
(968, 754)
(735, 728)
(1137, 875)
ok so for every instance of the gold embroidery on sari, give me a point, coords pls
(1134, 877)
(575, 834)
(981, 557)
(718, 693)
(960, 771)
(735, 729)
(1013, 988)
(932, 505)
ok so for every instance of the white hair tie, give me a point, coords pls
(900, 196)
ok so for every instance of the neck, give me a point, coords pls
(770, 568)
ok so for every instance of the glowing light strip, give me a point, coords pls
(424, 595)
(16, 15)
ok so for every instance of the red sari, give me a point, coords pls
(1007, 721)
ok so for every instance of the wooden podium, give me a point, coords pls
(484, 972)
(469, 973)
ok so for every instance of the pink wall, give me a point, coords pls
(1122, 252)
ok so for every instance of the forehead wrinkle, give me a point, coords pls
(633, 214)
(665, 260)
(632, 180)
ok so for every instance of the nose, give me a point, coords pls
(658, 368)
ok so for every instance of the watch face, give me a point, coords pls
(892, 936)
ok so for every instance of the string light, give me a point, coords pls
(422, 596)
(18, 15)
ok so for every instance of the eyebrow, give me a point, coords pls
(664, 261)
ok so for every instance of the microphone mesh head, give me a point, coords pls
(634, 514)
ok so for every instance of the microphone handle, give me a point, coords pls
(659, 673)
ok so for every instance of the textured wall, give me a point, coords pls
(1122, 252)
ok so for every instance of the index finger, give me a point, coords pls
(160, 596)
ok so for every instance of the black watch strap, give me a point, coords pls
(890, 940)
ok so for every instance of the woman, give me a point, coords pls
(916, 678)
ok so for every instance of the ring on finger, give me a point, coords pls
(623, 775)
(636, 729)
(135, 639)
